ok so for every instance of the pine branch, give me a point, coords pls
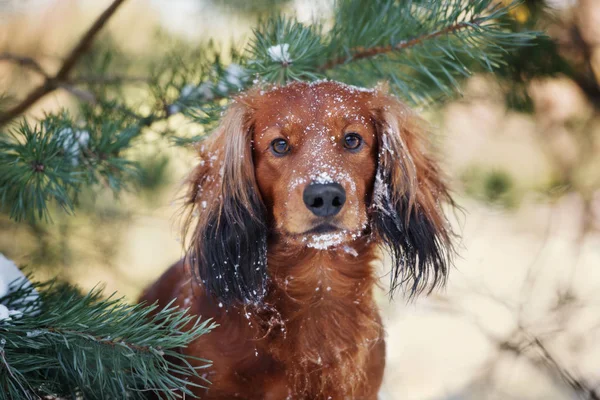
(421, 47)
(51, 83)
(360, 53)
(69, 345)
(50, 162)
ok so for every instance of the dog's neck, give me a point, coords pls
(304, 278)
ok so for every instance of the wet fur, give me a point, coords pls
(297, 322)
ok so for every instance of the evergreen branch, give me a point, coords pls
(51, 83)
(49, 162)
(70, 345)
(360, 53)
(439, 43)
(421, 47)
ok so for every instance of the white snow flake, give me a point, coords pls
(235, 74)
(9, 273)
(6, 314)
(73, 142)
(280, 53)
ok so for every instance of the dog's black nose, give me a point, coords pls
(324, 199)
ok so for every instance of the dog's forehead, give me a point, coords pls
(315, 107)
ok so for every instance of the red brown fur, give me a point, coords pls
(304, 324)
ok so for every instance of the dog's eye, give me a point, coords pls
(352, 141)
(280, 147)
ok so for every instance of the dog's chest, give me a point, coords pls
(325, 351)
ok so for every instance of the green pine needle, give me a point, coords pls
(71, 345)
(48, 163)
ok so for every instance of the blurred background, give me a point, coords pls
(520, 317)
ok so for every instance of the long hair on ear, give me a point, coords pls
(409, 190)
(228, 246)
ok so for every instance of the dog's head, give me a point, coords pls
(316, 165)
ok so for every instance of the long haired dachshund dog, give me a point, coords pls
(294, 195)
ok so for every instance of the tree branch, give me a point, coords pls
(31, 64)
(26, 62)
(51, 83)
(547, 360)
(113, 342)
(360, 53)
(86, 40)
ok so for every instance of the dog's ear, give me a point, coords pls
(228, 245)
(408, 193)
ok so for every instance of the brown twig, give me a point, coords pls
(33, 65)
(360, 53)
(520, 342)
(51, 83)
(26, 62)
(578, 385)
(86, 40)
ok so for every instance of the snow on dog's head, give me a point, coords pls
(316, 165)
